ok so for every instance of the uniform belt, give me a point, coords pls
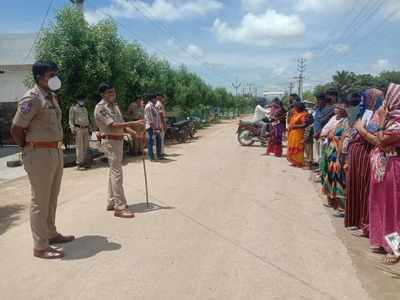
(45, 145)
(79, 126)
(113, 137)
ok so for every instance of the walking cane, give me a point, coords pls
(145, 179)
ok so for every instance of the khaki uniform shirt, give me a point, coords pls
(78, 115)
(106, 114)
(40, 113)
(135, 112)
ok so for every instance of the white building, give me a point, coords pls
(16, 59)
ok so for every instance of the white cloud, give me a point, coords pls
(195, 50)
(341, 48)
(262, 30)
(382, 64)
(308, 55)
(392, 8)
(323, 5)
(167, 10)
(254, 5)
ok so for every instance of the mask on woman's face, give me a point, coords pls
(81, 103)
(54, 83)
(353, 113)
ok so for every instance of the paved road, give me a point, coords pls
(225, 224)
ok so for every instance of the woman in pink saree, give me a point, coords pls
(384, 196)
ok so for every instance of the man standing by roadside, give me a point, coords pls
(79, 124)
(136, 113)
(112, 128)
(37, 128)
(160, 105)
(153, 127)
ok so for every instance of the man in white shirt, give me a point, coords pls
(260, 113)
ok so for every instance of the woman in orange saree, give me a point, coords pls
(297, 124)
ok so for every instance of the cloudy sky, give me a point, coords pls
(255, 41)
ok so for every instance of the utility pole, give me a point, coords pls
(236, 85)
(79, 4)
(250, 87)
(301, 67)
(291, 86)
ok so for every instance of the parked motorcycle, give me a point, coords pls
(249, 132)
(177, 131)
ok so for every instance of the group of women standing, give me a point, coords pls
(360, 165)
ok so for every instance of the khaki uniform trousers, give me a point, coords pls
(45, 171)
(82, 144)
(114, 152)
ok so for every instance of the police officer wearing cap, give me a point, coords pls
(37, 128)
(79, 124)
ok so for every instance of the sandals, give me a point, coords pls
(391, 259)
(49, 253)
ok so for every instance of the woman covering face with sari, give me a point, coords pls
(358, 165)
(278, 118)
(297, 125)
(384, 196)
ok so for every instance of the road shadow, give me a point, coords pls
(9, 215)
(173, 155)
(165, 161)
(88, 246)
(141, 208)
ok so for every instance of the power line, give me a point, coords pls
(40, 30)
(150, 17)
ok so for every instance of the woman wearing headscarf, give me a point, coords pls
(297, 125)
(384, 196)
(358, 165)
(332, 175)
(278, 118)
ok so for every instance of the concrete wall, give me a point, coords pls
(12, 80)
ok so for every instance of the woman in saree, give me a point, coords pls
(278, 118)
(334, 177)
(297, 125)
(358, 166)
(384, 194)
(326, 137)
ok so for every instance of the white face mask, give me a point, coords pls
(54, 83)
(81, 103)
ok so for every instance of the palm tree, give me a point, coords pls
(345, 82)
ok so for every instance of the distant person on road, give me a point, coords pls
(297, 125)
(37, 128)
(112, 127)
(79, 124)
(153, 128)
(136, 113)
(259, 118)
(278, 119)
(160, 105)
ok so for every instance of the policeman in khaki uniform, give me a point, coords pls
(38, 129)
(79, 125)
(136, 113)
(112, 129)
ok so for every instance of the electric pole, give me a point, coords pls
(301, 67)
(79, 4)
(291, 86)
(236, 85)
(250, 87)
